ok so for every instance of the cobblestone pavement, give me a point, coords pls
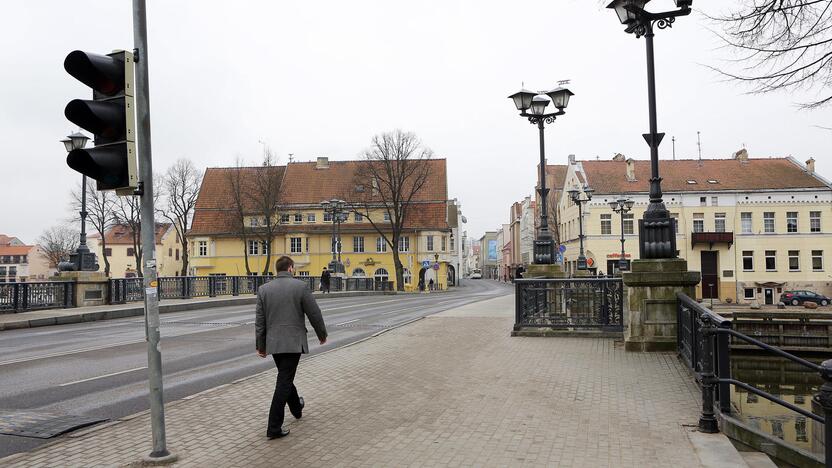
(453, 389)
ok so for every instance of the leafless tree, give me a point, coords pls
(395, 171)
(783, 45)
(179, 190)
(100, 215)
(264, 195)
(58, 242)
(128, 213)
(239, 201)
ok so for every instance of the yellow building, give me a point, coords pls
(305, 231)
(753, 227)
(121, 255)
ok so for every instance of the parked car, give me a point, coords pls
(799, 297)
(476, 274)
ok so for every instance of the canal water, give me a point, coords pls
(786, 380)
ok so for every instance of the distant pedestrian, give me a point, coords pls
(519, 272)
(421, 284)
(430, 285)
(325, 281)
(280, 330)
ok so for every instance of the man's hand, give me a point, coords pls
(322, 341)
(261, 353)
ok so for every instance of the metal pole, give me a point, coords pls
(338, 241)
(544, 215)
(622, 261)
(83, 245)
(148, 234)
(581, 256)
(707, 420)
(654, 138)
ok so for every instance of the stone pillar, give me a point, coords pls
(544, 271)
(91, 287)
(650, 304)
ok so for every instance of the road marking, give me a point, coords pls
(348, 321)
(74, 351)
(102, 376)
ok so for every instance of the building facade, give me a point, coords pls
(490, 254)
(753, 227)
(21, 263)
(305, 230)
(120, 251)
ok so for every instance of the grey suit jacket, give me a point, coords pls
(279, 325)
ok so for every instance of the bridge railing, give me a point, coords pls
(16, 297)
(703, 343)
(574, 303)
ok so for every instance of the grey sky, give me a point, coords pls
(320, 78)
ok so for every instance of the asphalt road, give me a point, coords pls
(100, 368)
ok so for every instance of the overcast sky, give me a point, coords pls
(320, 78)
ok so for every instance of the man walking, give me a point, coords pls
(325, 280)
(280, 330)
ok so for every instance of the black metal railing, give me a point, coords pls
(17, 297)
(703, 343)
(577, 303)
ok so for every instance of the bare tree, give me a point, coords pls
(100, 215)
(58, 242)
(264, 194)
(396, 169)
(179, 191)
(784, 45)
(128, 213)
(237, 183)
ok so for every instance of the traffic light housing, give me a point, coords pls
(109, 116)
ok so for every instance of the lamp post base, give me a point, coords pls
(544, 271)
(544, 251)
(657, 238)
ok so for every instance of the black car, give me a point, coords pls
(799, 297)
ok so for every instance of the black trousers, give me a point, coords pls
(284, 390)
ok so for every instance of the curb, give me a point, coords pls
(138, 311)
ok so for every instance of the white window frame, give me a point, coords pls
(794, 255)
(746, 222)
(386, 216)
(629, 223)
(381, 245)
(429, 243)
(746, 296)
(792, 221)
(699, 222)
(444, 243)
(714, 201)
(202, 248)
(327, 217)
(769, 224)
(719, 222)
(284, 219)
(773, 255)
(606, 224)
(310, 217)
(817, 254)
(404, 244)
(295, 245)
(747, 254)
(253, 247)
(359, 217)
(358, 244)
(298, 218)
(814, 221)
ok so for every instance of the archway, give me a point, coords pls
(422, 281)
(451, 275)
(359, 273)
(381, 275)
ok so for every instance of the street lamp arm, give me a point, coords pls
(546, 118)
(644, 24)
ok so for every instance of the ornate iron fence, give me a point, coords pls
(703, 342)
(17, 297)
(576, 303)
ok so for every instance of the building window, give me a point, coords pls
(703, 201)
(295, 245)
(358, 244)
(386, 216)
(746, 221)
(675, 217)
(359, 273)
(628, 223)
(430, 243)
(407, 276)
(606, 224)
(714, 201)
(253, 247)
(108, 252)
(719, 222)
(404, 244)
(202, 248)
(771, 260)
(327, 217)
(768, 222)
(444, 244)
(794, 260)
(747, 260)
(310, 217)
(381, 244)
(698, 222)
(817, 260)
(814, 221)
(177, 254)
(359, 217)
(264, 248)
(791, 221)
(131, 252)
(284, 219)
(298, 218)
(303, 274)
(381, 275)
(253, 222)
(749, 293)
(306, 245)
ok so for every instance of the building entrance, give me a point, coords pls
(710, 275)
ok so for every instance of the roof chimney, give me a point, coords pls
(323, 163)
(631, 170)
(741, 155)
(810, 166)
(571, 159)
(619, 157)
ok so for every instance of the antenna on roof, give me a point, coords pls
(674, 147)
(699, 144)
(291, 158)
(563, 82)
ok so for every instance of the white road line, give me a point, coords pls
(102, 376)
(74, 351)
(344, 323)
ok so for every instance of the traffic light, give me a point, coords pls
(109, 116)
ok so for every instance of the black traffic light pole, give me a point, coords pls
(148, 227)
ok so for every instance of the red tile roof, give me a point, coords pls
(556, 174)
(15, 249)
(122, 234)
(610, 177)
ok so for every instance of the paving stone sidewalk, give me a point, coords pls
(453, 389)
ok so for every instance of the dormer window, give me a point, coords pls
(713, 181)
(691, 182)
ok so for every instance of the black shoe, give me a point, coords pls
(277, 435)
(299, 414)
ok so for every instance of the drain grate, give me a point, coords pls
(41, 425)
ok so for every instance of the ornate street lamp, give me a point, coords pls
(575, 195)
(335, 207)
(82, 259)
(656, 231)
(622, 206)
(532, 106)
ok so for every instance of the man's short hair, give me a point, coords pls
(284, 263)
